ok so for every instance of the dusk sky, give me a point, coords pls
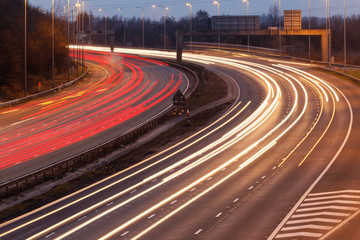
(178, 8)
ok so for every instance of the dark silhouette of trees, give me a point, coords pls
(12, 21)
(39, 39)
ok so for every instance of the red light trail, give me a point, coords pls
(57, 121)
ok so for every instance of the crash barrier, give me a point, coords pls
(56, 170)
(43, 93)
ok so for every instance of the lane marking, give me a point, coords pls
(338, 214)
(310, 226)
(330, 202)
(122, 235)
(299, 234)
(331, 197)
(328, 220)
(327, 207)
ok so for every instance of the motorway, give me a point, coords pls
(119, 94)
(279, 164)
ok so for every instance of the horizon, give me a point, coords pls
(178, 9)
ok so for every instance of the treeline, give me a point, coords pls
(39, 49)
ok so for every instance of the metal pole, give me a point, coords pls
(68, 39)
(190, 5)
(72, 18)
(309, 34)
(218, 15)
(52, 44)
(191, 26)
(164, 28)
(89, 27)
(218, 6)
(279, 27)
(83, 32)
(77, 40)
(329, 35)
(247, 24)
(124, 28)
(153, 8)
(25, 51)
(143, 28)
(345, 36)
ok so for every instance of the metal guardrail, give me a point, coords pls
(51, 171)
(23, 182)
(41, 94)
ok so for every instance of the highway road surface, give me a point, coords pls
(281, 163)
(121, 93)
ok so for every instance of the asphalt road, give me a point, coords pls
(271, 167)
(120, 93)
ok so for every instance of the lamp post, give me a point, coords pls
(153, 9)
(345, 36)
(329, 45)
(190, 5)
(247, 23)
(83, 31)
(309, 34)
(218, 7)
(143, 28)
(25, 51)
(124, 26)
(68, 38)
(279, 27)
(100, 10)
(77, 38)
(52, 43)
(165, 9)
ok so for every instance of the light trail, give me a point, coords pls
(61, 130)
(175, 175)
(239, 132)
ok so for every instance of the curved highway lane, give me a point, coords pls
(120, 89)
(235, 179)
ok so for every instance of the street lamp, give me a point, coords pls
(309, 34)
(165, 9)
(143, 28)
(328, 31)
(77, 37)
(124, 26)
(190, 5)
(100, 10)
(247, 23)
(25, 51)
(345, 36)
(218, 7)
(279, 27)
(153, 9)
(68, 39)
(52, 43)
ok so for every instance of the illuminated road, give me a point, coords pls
(119, 88)
(242, 177)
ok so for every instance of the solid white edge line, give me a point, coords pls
(278, 228)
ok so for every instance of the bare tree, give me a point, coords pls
(273, 15)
